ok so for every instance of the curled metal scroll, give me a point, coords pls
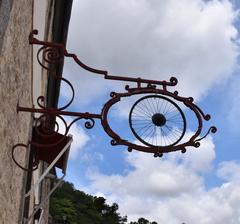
(167, 138)
(49, 55)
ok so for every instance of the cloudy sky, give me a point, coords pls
(198, 42)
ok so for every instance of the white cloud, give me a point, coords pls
(92, 157)
(192, 39)
(197, 159)
(170, 191)
(200, 159)
(230, 171)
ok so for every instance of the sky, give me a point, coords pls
(196, 41)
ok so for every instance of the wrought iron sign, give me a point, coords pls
(156, 120)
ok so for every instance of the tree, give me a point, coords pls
(68, 205)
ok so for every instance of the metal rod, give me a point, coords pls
(138, 80)
(53, 111)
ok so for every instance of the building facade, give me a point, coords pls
(22, 80)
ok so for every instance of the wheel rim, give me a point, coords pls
(157, 121)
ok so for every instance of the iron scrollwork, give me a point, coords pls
(156, 120)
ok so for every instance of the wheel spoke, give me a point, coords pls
(157, 121)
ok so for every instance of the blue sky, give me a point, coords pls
(198, 42)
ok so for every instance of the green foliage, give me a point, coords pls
(68, 205)
(71, 206)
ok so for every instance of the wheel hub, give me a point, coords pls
(159, 119)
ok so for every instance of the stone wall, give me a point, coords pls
(5, 8)
(15, 86)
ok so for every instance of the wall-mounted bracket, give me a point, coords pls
(156, 120)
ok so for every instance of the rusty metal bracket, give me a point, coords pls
(151, 114)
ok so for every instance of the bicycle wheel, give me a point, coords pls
(157, 121)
